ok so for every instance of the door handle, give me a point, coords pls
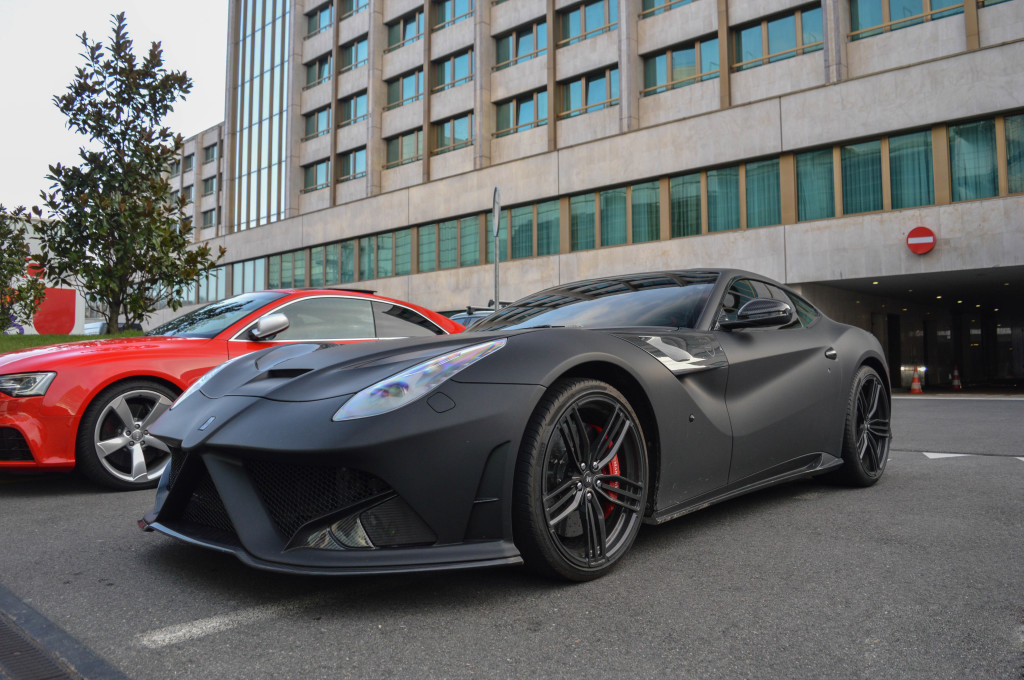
(830, 353)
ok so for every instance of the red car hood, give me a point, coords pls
(46, 357)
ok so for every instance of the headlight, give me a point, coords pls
(26, 384)
(411, 384)
(194, 387)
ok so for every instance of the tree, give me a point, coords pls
(117, 234)
(20, 294)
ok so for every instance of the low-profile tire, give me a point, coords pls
(867, 431)
(581, 481)
(114, 447)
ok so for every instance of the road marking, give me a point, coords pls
(943, 397)
(172, 635)
(944, 455)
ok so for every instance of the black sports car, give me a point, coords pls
(546, 434)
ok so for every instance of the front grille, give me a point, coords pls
(13, 446)
(205, 506)
(297, 494)
(178, 460)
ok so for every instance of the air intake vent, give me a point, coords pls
(13, 446)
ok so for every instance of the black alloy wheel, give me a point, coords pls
(867, 433)
(581, 481)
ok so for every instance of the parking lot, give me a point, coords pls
(921, 576)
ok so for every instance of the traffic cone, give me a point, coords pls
(915, 385)
(956, 379)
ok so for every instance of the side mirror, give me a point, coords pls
(269, 326)
(759, 313)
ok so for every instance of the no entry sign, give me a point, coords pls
(920, 240)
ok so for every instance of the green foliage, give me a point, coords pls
(20, 294)
(116, 233)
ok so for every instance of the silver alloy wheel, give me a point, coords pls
(122, 441)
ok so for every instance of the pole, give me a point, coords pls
(495, 221)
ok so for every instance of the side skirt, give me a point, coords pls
(807, 466)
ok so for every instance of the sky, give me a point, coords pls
(39, 53)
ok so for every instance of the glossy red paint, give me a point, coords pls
(50, 423)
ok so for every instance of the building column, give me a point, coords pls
(483, 111)
(631, 74)
(835, 20)
(376, 98)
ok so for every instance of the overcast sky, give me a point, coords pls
(39, 52)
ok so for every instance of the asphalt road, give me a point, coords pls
(920, 576)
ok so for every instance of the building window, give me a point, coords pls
(724, 199)
(872, 17)
(175, 168)
(405, 148)
(209, 185)
(318, 123)
(209, 218)
(645, 206)
(521, 231)
(861, 171)
(367, 258)
(587, 20)
(787, 36)
(448, 12)
(186, 192)
(684, 205)
(911, 179)
(592, 92)
(249, 276)
(502, 236)
(318, 20)
(385, 255)
(452, 134)
(405, 89)
(350, 7)
(522, 113)
(680, 66)
(1014, 126)
(287, 270)
(469, 241)
(549, 228)
(453, 70)
(972, 160)
(426, 259)
(190, 162)
(352, 109)
(650, 8)
(521, 45)
(212, 286)
(613, 217)
(448, 244)
(209, 153)
(316, 176)
(352, 165)
(582, 222)
(405, 30)
(331, 264)
(815, 185)
(317, 71)
(354, 54)
(764, 198)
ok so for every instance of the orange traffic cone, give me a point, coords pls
(956, 379)
(915, 385)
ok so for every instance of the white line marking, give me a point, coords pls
(1021, 460)
(944, 455)
(172, 635)
(921, 239)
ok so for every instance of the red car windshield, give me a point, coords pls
(214, 318)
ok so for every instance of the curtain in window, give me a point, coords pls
(684, 205)
(385, 254)
(548, 228)
(910, 170)
(316, 267)
(862, 177)
(815, 188)
(274, 272)
(522, 232)
(764, 204)
(299, 270)
(613, 217)
(469, 245)
(332, 272)
(427, 257)
(502, 237)
(403, 252)
(348, 262)
(724, 199)
(581, 222)
(972, 160)
(448, 240)
(646, 213)
(1015, 152)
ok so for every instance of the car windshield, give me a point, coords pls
(662, 299)
(208, 321)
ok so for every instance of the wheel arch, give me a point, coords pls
(879, 366)
(87, 404)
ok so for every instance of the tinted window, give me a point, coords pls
(212, 319)
(327, 318)
(394, 321)
(674, 300)
(743, 291)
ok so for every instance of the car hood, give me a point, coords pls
(46, 357)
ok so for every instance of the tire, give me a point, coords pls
(867, 431)
(581, 481)
(114, 447)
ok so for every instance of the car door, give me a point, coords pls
(782, 385)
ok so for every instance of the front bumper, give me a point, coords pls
(284, 488)
(29, 440)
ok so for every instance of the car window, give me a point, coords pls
(743, 291)
(327, 318)
(805, 310)
(395, 321)
(208, 321)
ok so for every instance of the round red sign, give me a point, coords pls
(920, 240)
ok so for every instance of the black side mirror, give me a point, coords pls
(759, 313)
(269, 326)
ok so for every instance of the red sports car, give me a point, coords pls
(88, 405)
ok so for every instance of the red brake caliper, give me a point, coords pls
(612, 468)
